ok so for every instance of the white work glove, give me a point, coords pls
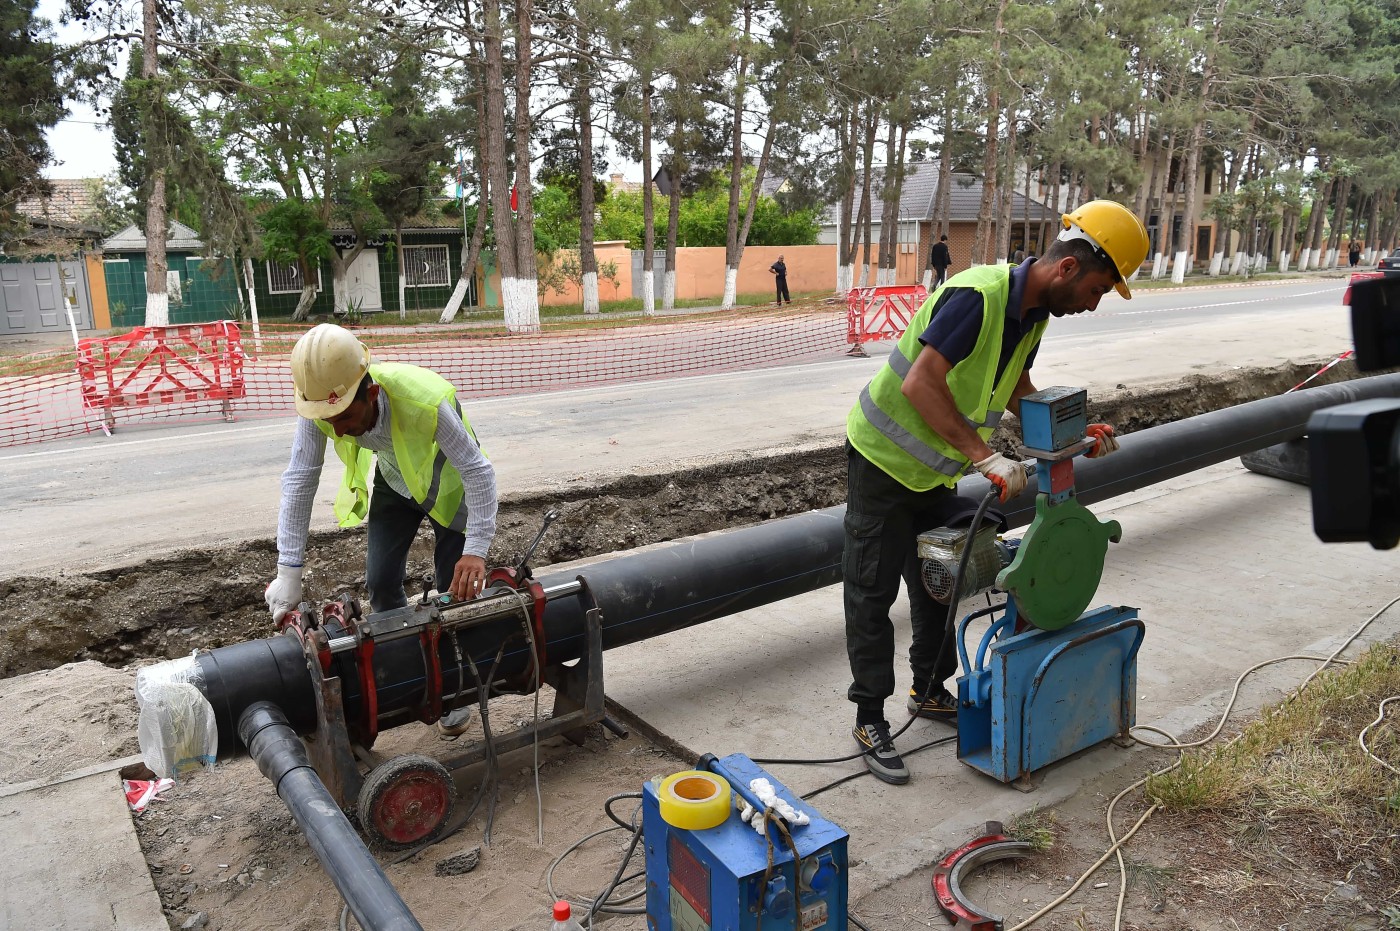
(1107, 442)
(1007, 474)
(284, 592)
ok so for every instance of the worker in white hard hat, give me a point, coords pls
(924, 421)
(429, 464)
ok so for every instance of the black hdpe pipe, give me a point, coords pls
(281, 756)
(668, 588)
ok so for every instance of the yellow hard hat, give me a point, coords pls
(1115, 231)
(328, 363)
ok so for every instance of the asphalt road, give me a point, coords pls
(97, 501)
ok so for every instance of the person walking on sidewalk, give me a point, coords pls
(940, 258)
(779, 270)
(924, 420)
(406, 421)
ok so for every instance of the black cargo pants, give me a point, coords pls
(883, 521)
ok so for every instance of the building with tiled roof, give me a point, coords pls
(918, 214)
(71, 202)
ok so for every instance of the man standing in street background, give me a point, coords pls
(428, 464)
(779, 271)
(940, 258)
(924, 420)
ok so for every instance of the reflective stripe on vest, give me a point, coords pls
(414, 395)
(886, 428)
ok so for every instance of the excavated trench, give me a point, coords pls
(167, 606)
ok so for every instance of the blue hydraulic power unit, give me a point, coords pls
(1049, 679)
(732, 878)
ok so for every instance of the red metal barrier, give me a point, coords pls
(162, 365)
(881, 313)
(1355, 277)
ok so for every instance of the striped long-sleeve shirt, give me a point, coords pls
(303, 475)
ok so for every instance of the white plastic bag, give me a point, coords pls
(176, 728)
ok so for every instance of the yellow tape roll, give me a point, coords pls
(694, 800)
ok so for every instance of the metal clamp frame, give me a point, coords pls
(578, 697)
(1044, 667)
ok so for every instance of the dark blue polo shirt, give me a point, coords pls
(957, 320)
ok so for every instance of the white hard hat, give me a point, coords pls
(328, 363)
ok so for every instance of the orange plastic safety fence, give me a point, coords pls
(210, 371)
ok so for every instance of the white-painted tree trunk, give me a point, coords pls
(403, 292)
(928, 279)
(864, 275)
(340, 292)
(253, 306)
(1002, 260)
(521, 300)
(1304, 257)
(1330, 259)
(885, 277)
(845, 274)
(157, 309)
(649, 293)
(1283, 261)
(590, 292)
(668, 290)
(731, 289)
(1217, 258)
(1261, 262)
(1179, 267)
(454, 303)
(1237, 263)
(1159, 265)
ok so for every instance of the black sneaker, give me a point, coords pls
(939, 706)
(881, 757)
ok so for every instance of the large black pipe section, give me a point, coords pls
(281, 756)
(666, 588)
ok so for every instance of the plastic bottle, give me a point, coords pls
(564, 919)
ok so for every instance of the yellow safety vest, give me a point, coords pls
(886, 428)
(414, 395)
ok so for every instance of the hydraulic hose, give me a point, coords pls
(281, 756)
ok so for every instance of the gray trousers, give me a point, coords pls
(393, 523)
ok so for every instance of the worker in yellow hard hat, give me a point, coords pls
(924, 421)
(429, 464)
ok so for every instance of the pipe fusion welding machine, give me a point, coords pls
(1047, 678)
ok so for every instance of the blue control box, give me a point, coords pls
(720, 879)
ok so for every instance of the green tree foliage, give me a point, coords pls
(31, 101)
(704, 219)
(295, 234)
(406, 154)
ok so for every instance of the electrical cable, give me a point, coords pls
(949, 625)
(865, 772)
(602, 897)
(492, 763)
(535, 721)
(607, 807)
(604, 902)
(1361, 739)
(1116, 844)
